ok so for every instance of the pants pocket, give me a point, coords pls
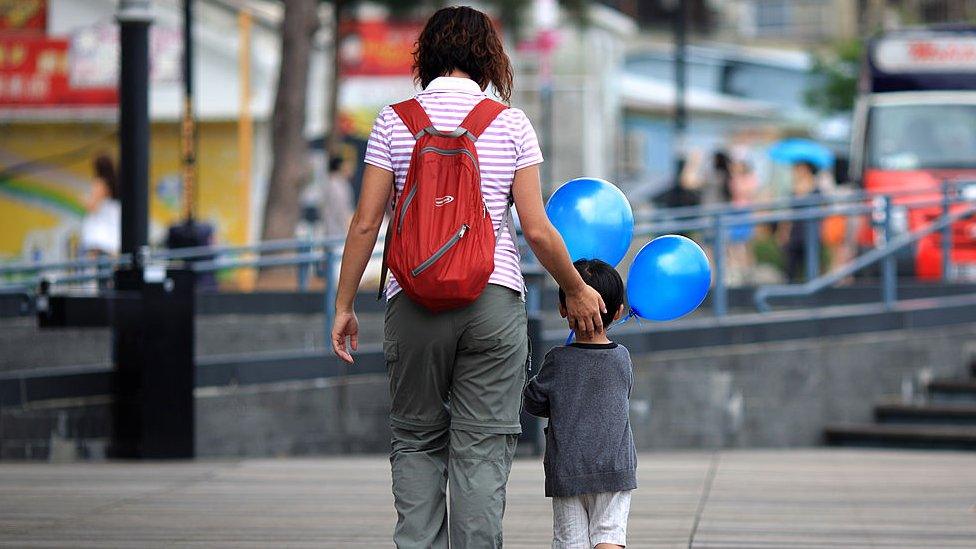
(391, 353)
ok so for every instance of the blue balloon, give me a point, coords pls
(669, 278)
(594, 218)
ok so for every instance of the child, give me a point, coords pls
(590, 462)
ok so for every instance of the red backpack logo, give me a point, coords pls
(440, 241)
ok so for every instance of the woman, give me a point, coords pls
(456, 377)
(100, 228)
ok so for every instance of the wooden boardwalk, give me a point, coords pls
(754, 499)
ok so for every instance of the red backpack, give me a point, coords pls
(440, 241)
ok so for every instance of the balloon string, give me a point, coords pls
(631, 314)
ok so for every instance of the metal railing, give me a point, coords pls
(320, 257)
(953, 193)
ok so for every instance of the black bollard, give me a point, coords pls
(153, 344)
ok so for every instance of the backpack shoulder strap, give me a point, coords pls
(481, 116)
(413, 116)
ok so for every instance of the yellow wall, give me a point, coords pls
(221, 200)
(41, 210)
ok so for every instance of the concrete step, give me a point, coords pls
(926, 414)
(928, 437)
(952, 390)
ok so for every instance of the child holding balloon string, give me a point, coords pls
(590, 461)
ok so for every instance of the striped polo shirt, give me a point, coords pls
(507, 145)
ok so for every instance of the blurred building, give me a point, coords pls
(581, 136)
(59, 106)
(793, 21)
(736, 96)
(614, 96)
(921, 12)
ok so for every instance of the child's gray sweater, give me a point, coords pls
(584, 390)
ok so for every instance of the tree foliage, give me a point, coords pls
(833, 87)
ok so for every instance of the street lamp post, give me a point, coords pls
(680, 75)
(152, 307)
(134, 17)
(188, 133)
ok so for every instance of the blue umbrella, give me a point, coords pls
(793, 150)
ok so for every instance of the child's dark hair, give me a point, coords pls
(604, 279)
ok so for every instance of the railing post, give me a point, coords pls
(889, 272)
(946, 231)
(304, 268)
(719, 298)
(811, 245)
(330, 294)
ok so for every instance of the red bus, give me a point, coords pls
(914, 127)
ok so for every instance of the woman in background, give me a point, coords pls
(101, 226)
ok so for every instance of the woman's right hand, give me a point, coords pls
(365, 225)
(345, 325)
(583, 309)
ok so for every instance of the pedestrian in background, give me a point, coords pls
(101, 226)
(742, 188)
(327, 203)
(336, 201)
(686, 189)
(793, 234)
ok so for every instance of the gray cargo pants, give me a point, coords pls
(456, 382)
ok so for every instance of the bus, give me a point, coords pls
(914, 127)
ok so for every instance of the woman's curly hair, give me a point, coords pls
(464, 39)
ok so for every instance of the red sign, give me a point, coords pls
(378, 48)
(962, 52)
(34, 72)
(23, 15)
(934, 54)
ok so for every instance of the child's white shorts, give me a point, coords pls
(582, 522)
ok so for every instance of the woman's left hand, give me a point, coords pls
(345, 325)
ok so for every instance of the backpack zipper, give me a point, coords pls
(403, 209)
(441, 251)
(448, 152)
(413, 191)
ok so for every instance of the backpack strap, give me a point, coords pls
(414, 116)
(385, 269)
(481, 116)
(475, 123)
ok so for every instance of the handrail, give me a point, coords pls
(285, 261)
(27, 267)
(261, 247)
(843, 196)
(717, 227)
(176, 254)
(710, 210)
(745, 218)
(764, 293)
